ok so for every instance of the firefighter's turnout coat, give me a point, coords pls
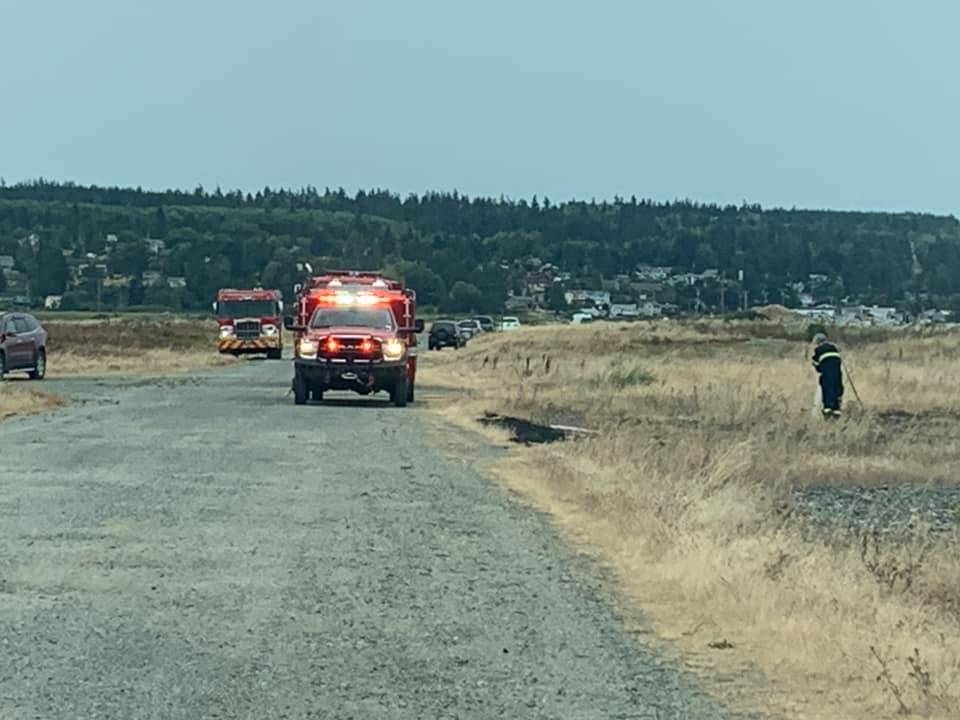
(828, 363)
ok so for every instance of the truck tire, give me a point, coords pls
(398, 396)
(3, 364)
(316, 394)
(275, 354)
(410, 390)
(300, 390)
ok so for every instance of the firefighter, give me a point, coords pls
(827, 362)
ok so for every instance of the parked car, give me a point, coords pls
(470, 328)
(510, 323)
(486, 323)
(445, 333)
(23, 345)
(579, 318)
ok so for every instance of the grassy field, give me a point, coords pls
(131, 345)
(704, 430)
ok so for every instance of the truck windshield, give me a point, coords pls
(247, 308)
(353, 317)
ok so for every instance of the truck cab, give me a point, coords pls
(355, 331)
(249, 322)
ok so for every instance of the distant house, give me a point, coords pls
(624, 310)
(819, 312)
(33, 240)
(154, 246)
(652, 273)
(870, 315)
(7, 262)
(117, 281)
(684, 279)
(651, 309)
(519, 302)
(592, 297)
(935, 316)
(176, 282)
(52, 302)
(152, 278)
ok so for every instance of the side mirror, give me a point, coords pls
(290, 324)
(418, 325)
(297, 287)
(215, 305)
(280, 306)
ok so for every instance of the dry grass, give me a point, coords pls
(705, 427)
(131, 346)
(16, 400)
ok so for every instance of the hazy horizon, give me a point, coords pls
(819, 107)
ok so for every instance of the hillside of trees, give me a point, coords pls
(460, 252)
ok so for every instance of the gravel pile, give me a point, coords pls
(889, 509)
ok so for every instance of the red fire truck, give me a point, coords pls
(355, 331)
(249, 322)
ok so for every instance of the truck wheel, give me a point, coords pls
(316, 394)
(276, 354)
(3, 364)
(300, 390)
(398, 396)
(410, 390)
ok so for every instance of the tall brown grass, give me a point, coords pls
(134, 345)
(21, 399)
(703, 430)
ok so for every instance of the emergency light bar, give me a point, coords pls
(345, 298)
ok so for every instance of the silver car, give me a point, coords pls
(470, 328)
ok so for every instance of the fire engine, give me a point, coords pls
(249, 322)
(355, 331)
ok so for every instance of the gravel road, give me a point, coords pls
(199, 547)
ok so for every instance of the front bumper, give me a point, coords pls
(257, 345)
(350, 374)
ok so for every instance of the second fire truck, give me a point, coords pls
(355, 331)
(249, 322)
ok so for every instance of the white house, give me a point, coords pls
(624, 310)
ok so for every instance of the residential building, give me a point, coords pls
(154, 246)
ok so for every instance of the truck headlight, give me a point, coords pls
(270, 330)
(393, 349)
(307, 349)
(226, 331)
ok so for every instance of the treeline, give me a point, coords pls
(468, 253)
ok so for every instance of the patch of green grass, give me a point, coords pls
(621, 378)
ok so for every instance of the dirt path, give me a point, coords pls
(200, 547)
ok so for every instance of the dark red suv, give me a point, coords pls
(23, 345)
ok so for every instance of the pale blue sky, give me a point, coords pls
(850, 105)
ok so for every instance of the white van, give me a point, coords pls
(510, 323)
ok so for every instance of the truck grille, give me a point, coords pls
(248, 329)
(349, 349)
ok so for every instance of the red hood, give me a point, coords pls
(352, 331)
